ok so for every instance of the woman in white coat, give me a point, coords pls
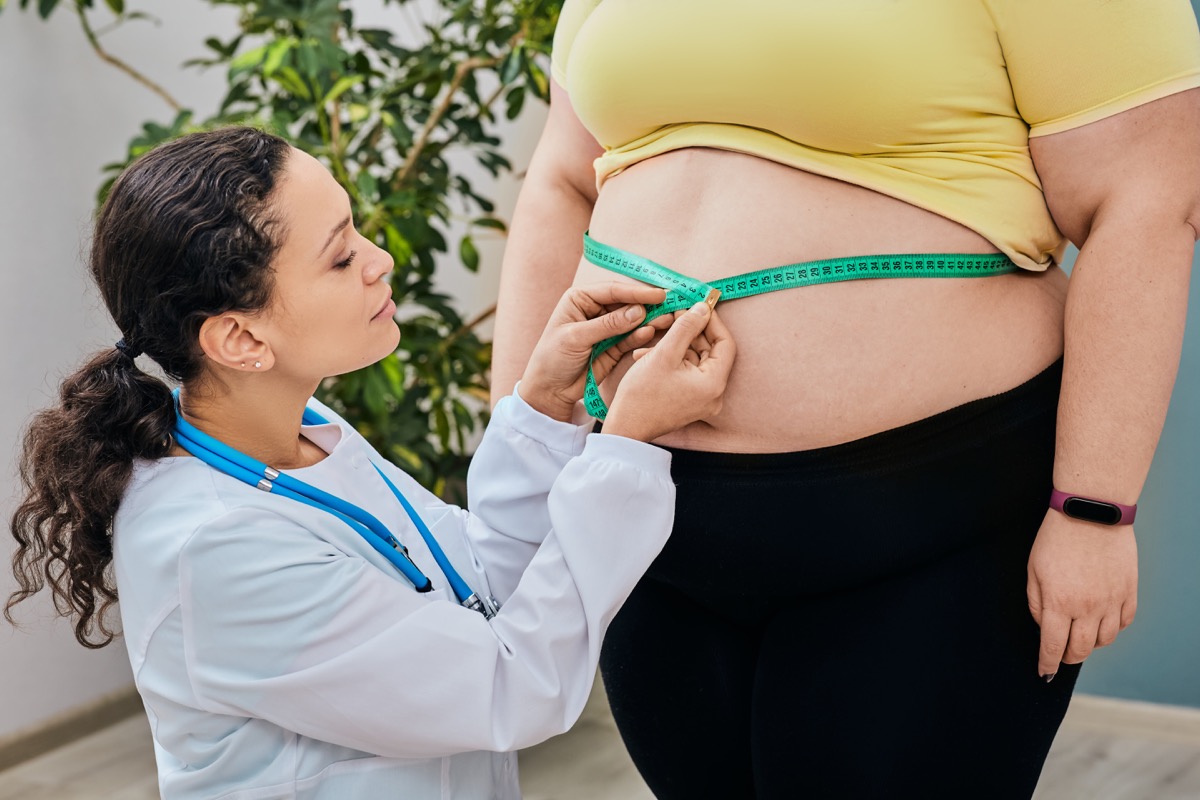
(323, 627)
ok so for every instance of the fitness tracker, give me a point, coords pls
(1091, 510)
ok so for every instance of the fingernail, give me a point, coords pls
(635, 313)
(700, 308)
(1049, 676)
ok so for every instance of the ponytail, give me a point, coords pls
(187, 232)
(75, 466)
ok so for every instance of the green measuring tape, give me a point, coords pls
(684, 292)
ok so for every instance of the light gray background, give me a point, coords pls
(65, 114)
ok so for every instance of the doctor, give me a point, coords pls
(303, 619)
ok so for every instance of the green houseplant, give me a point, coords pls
(384, 116)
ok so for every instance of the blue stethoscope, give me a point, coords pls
(224, 458)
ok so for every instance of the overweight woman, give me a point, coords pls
(909, 523)
(302, 618)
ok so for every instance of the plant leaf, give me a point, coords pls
(247, 60)
(340, 87)
(276, 52)
(490, 222)
(469, 254)
(290, 80)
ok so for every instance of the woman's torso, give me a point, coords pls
(767, 133)
(830, 363)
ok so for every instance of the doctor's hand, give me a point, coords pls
(679, 381)
(585, 316)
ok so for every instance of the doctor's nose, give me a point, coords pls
(379, 266)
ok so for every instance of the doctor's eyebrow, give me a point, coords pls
(341, 226)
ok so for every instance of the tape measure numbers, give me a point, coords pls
(684, 292)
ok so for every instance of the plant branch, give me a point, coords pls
(460, 74)
(118, 63)
(487, 104)
(467, 327)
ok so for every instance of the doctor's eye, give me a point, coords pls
(347, 261)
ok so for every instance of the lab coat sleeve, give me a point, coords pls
(521, 455)
(280, 625)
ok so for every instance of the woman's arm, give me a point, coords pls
(1126, 191)
(545, 242)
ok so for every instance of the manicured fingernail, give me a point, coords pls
(635, 313)
(1049, 676)
(700, 308)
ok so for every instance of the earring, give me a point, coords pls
(243, 365)
(257, 364)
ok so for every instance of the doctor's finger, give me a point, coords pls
(607, 361)
(700, 344)
(677, 341)
(661, 322)
(639, 337)
(592, 299)
(585, 334)
(722, 350)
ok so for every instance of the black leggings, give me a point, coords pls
(849, 622)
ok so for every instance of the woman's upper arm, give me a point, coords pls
(1104, 87)
(1141, 164)
(567, 150)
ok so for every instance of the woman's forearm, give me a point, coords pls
(1125, 314)
(543, 251)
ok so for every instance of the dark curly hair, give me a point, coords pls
(186, 233)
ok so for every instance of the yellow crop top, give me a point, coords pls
(929, 101)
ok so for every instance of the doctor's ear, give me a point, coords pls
(229, 340)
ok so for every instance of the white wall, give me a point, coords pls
(64, 114)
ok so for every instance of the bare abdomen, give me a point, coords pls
(826, 364)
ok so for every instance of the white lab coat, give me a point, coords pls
(279, 656)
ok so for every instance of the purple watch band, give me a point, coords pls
(1103, 512)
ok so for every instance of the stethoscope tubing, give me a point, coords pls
(238, 471)
(242, 467)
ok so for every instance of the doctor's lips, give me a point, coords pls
(388, 308)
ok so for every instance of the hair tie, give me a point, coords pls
(128, 351)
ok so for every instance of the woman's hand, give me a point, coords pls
(1082, 587)
(585, 316)
(678, 381)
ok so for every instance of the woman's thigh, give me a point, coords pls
(679, 682)
(923, 685)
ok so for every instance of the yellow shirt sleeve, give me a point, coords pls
(1072, 62)
(570, 20)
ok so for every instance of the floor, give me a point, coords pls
(1106, 750)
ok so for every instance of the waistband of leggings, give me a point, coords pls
(955, 429)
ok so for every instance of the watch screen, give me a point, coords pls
(1092, 511)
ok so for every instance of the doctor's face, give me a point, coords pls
(331, 309)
